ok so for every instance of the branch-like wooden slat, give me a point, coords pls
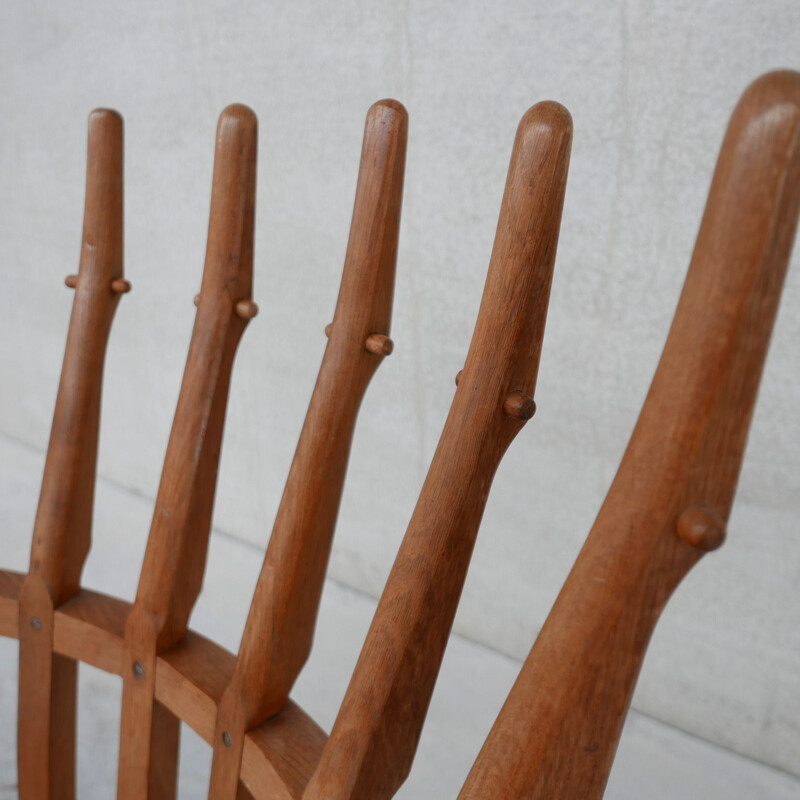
(558, 731)
(174, 561)
(375, 736)
(280, 626)
(62, 530)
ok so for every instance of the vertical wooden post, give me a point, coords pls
(280, 627)
(375, 736)
(174, 561)
(62, 531)
(557, 733)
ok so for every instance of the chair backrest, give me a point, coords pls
(558, 731)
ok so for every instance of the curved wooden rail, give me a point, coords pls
(279, 755)
(557, 733)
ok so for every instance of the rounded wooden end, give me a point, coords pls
(701, 527)
(379, 344)
(105, 115)
(458, 376)
(388, 106)
(71, 281)
(546, 116)
(519, 405)
(197, 299)
(246, 309)
(238, 115)
(120, 286)
(329, 329)
(237, 126)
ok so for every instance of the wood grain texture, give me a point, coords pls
(174, 560)
(668, 505)
(375, 736)
(280, 626)
(558, 731)
(62, 529)
(191, 676)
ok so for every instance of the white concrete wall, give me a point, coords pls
(650, 86)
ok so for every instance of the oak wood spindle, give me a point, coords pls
(557, 734)
(280, 626)
(174, 561)
(62, 530)
(375, 736)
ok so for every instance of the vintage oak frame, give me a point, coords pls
(557, 733)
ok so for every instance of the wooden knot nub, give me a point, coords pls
(246, 309)
(458, 376)
(519, 405)
(701, 527)
(379, 344)
(120, 286)
(376, 343)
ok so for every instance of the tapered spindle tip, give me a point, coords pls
(120, 286)
(547, 114)
(105, 133)
(238, 116)
(246, 309)
(701, 527)
(519, 405)
(379, 344)
(389, 106)
(71, 281)
(388, 117)
(105, 116)
(782, 85)
(544, 127)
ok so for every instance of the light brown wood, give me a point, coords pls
(557, 733)
(174, 561)
(668, 505)
(191, 678)
(375, 736)
(280, 626)
(62, 530)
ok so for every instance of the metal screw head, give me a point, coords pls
(138, 670)
(36, 623)
(226, 739)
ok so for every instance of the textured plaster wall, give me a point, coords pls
(650, 86)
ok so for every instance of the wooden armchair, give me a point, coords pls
(557, 733)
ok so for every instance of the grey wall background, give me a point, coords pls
(650, 86)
